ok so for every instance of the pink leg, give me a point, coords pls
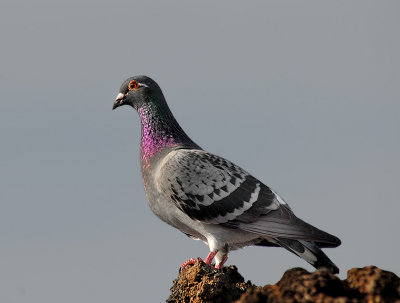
(219, 266)
(210, 257)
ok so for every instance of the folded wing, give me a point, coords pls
(213, 190)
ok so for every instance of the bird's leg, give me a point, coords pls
(210, 257)
(220, 264)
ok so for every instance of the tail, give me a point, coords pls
(308, 251)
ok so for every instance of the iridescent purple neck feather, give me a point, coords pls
(160, 130)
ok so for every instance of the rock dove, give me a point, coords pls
(208, 197)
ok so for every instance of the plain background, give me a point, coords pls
(302, 94)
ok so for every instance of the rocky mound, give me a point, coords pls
(202, 283)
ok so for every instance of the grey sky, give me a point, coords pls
(304, 95)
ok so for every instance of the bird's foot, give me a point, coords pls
(208, 261)
(191, 261)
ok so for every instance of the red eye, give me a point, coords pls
(133, 85)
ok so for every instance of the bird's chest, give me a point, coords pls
(156, 198)
(162, 206)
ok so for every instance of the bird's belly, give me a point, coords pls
(214, 235)
(221, 237)
(170, 214)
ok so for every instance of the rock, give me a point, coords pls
(202, 283)
(374, 284)
(369, 284)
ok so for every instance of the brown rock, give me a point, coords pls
(369, 284)
(202, 283)
(375, 284)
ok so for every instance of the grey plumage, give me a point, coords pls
(208, 197)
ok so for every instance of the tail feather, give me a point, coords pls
(308, 251)
(282, 223)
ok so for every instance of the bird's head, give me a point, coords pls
(137, 91)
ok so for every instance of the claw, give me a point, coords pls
(191, 261)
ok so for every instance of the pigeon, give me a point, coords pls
(210, 198)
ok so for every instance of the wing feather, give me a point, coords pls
(213, 190)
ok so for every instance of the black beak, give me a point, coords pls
(119, 101)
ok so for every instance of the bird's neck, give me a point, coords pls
(160, 131)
